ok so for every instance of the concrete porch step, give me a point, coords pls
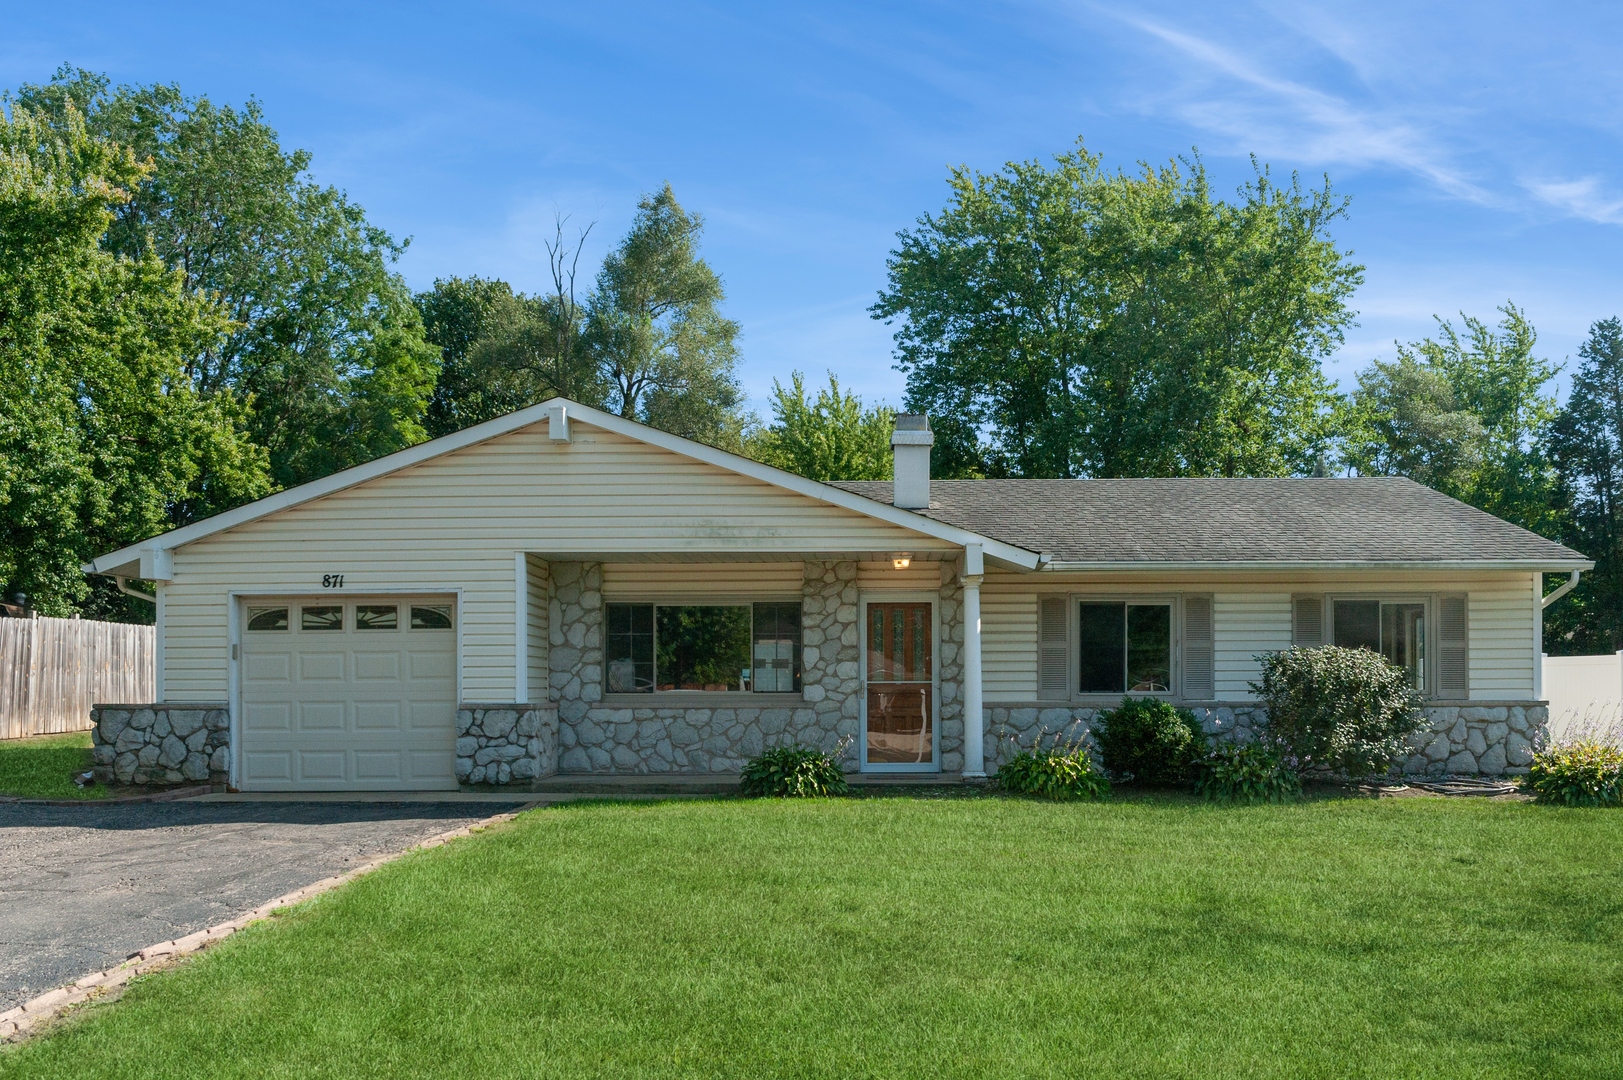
(708, 783)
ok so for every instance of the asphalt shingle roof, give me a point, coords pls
(1365, 519)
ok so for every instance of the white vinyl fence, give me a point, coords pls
(1585, 694)
(53, 670)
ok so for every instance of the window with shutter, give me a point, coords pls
(1453, 648)
(1053, 653)
(1197, 648)
(1307, 631)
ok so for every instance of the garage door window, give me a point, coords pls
(321, 618)
(377, 617)
(267, 618)
(430, 618)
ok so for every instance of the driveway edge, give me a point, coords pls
(18, 1023)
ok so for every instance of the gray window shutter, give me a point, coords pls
(1197, 648)
(1307, 630)
(1053, 655)
(1453, 648)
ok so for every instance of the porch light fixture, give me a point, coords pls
(901, 560)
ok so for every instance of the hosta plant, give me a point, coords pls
(1062, 771)
(794, 772)
(1251, 772)
(1584, 773)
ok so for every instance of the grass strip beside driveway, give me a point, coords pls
(43, 767)
(922, 938)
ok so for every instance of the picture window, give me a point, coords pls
(704, 647)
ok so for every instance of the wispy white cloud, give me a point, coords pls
(1582, 198)
(1276, 115)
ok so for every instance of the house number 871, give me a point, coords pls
(332, 581)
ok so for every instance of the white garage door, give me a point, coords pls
(356, 694)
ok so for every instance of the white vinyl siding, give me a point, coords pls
(700, 581)
(1008, 646)
(1252, 614)
(920, 576)
(1243, 625)
(539, 595)
(453, 524)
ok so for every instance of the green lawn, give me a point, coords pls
(43, 767)
(933, 938)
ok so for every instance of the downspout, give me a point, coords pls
(137, 593)
(1572, 583)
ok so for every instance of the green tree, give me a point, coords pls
(667, 354)
(1068, 321)
(104, 440)
(324, 341)
(1586, 446)
(830, 438)
(1466, 413)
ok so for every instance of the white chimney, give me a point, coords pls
(910, 442)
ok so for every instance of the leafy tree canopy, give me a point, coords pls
(1068, 321)
(323, 341)
(1586, 445)
(831, 437)
(1465, 413)
(104, 439)
(647, 341)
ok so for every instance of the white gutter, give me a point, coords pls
(1155, 565)
(1572, 583)
(123, 587)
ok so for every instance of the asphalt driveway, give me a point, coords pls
(83, 887)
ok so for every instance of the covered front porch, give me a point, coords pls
(649, 663)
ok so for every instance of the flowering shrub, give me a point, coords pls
(1338, 710)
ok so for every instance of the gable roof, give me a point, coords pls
(125, 561)
(1239, 524)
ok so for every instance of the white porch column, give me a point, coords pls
(974, 718)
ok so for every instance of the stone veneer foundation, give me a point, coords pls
(1486, 738)
(503, 744)
(161, 744)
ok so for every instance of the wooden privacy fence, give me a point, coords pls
(53, 670)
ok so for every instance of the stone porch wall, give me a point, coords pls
(161, 744)
(504, 744)
(1489, 738)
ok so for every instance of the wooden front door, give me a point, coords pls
(901, 685)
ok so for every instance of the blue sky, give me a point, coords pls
(1481, 143)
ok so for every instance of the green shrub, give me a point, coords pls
(1059, 772)
(1251, 772)
(1149, 740)
(793, 772)
(1586, 773)
(1338, 710)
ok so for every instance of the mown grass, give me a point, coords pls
(43, 767)
(989, 937)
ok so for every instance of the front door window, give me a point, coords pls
(901, 685)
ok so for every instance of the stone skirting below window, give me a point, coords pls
(505, 744)
(1486, 738)
(161, 743)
